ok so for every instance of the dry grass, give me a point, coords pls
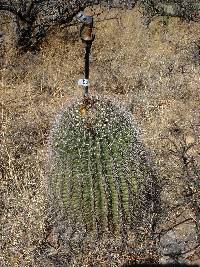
(154, 70)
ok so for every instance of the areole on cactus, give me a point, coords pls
(98, 177)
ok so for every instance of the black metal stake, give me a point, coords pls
(87, 64)
(87, 38)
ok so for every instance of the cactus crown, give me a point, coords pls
(96, 174)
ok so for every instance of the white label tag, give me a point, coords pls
(83, 82)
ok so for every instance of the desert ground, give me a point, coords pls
(153, 70)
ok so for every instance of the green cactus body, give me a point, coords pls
(95, 175)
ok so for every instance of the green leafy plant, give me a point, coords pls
(99, 174)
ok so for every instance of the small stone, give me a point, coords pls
(189, 140)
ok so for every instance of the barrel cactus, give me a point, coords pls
(99, 176)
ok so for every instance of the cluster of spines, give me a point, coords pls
(95, 175)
